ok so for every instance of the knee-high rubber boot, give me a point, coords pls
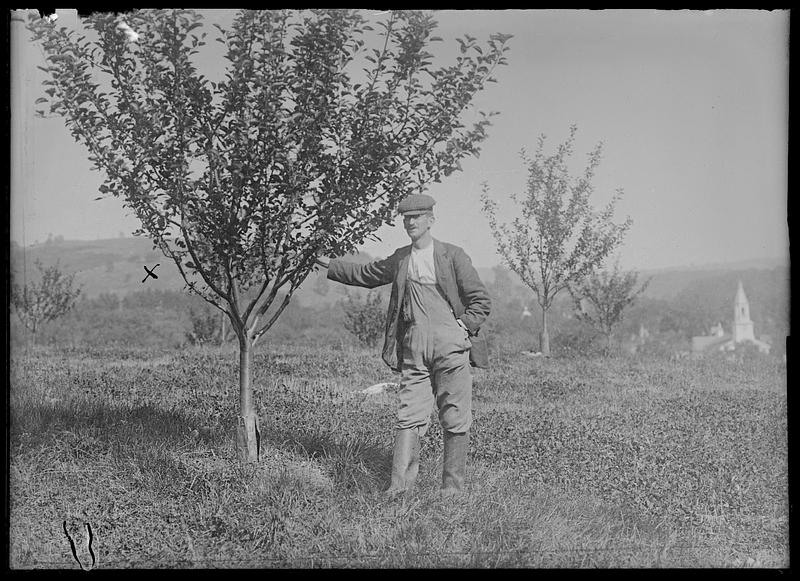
(405, 461)
(455, 462)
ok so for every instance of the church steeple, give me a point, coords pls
(742, 325)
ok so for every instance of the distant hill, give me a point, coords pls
(115, 265)
(668, 283)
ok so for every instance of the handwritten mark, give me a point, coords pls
(150, 272)
(89, 539)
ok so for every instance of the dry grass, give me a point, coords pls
(575, 463)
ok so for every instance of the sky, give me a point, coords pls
(691, 108)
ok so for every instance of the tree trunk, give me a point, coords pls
(223, 316)
(248, 434)
(544, 336)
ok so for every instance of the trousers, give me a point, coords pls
(435, 366)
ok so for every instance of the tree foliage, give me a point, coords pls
(307, 144)
(366, 319)
(51, 297)
(321, 125)
(206, 325)
(557, 238)
(602, 298)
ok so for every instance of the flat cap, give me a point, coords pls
(416, 204)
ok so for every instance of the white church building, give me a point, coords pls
(741, 331)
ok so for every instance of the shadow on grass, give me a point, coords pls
(148, 424)
(353, 463)
(145, 430)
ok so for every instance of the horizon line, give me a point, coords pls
(784, 259)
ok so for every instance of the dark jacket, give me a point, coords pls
(456, 277)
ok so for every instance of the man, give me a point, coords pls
(437, 306)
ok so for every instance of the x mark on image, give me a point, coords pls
(150, 272)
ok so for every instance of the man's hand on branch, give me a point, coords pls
(322, 261)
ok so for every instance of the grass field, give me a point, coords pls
(580, 462)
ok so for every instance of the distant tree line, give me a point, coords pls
(171, 320)
(50, 295)
(669, 324)
(168, 319)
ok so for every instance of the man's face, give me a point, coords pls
(417, 226)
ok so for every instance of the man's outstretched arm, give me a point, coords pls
(369, 275)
